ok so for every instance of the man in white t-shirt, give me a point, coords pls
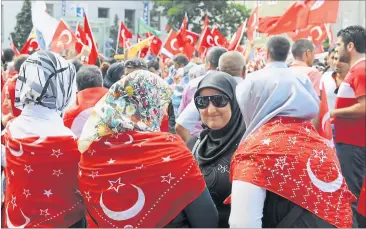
(333, 79)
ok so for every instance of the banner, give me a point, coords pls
(146, 12)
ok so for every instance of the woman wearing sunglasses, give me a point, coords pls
(223, 130)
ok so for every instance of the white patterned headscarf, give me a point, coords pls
(46, 79)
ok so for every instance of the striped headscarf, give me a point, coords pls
(46, 79)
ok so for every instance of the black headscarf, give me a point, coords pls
(114, 73)
(218, 143)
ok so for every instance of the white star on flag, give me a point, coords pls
(266, 141)
(47, 193)
(115, 185)
(139, 167)
(292, 140)
(94, 174)
(44, 212)
(281, 162)
(75, 137)
(56, 153)
(80, 173)
(87, 195)
(139, 144)
(28, 168)
(170, 138)
(57, 172)
(111, 161)
(320, 155)
(26, 192)
(12, 172)
(166, 159)
(13, 199)
(167, 178)
(92, 152)
(307, 129)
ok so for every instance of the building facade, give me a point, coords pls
(101, 16)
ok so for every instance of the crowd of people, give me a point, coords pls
(225, 141)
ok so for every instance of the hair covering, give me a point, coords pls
(197, 71)
(262, 97)
(114, 73)
(217, 143)
(46, 79)
(136, 102)
(255, 65)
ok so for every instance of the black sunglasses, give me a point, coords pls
(219, 101)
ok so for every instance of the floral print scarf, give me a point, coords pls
(136, 102)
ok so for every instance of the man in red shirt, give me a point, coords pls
(89, 82)
(350, 110)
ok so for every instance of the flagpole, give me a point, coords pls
(119, 34)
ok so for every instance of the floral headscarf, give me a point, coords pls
(136, 102)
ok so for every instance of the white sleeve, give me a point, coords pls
(189, 117)
(247, 202)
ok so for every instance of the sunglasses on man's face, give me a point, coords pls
(219, 101)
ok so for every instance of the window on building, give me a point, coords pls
(130, 20)
(103, 12)
(49, 8)
(155, 19)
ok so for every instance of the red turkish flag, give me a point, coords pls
(146, 186)
(252, 23)
(76, 116)
(265, 23)
(182, 33)
(124, 35)
(155, 46)
(81, 38)
(13, 47)
(42, 184)
(291, 20)
(170, 47)
(317, 34)
(322, 11)
(235, 40)
(218, 38)
(31, 44)
(288, 157)
(362, 200)
(205, 23)
(205, 41)
(90, 42)
(325, 128)
(63, 38)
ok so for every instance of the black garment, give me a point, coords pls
(353, 164)
(276, 209)
(114, 74)
(80, 224)
(214, 149)
(201, 213)
(171, 118)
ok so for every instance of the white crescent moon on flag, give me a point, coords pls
(172, 44)
(14, 152)
(317, 4)
(33, 40)
(326, 117)
(190, 38)
(233, 38)
(10, 224)
(68, 34)
(127, 214)
(319, 30)
(130, 141)
(38, 141)
(216, 40)
(324, 186)
(123, 33)
(90, 44)
(80, 120)
(208, 38)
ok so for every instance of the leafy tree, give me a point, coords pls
(113, 31)
(23, 25)
(226, 15)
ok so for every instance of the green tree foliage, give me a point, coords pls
(23, 25)
(227, 15)
(113, 31)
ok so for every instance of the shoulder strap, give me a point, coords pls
(291, 217)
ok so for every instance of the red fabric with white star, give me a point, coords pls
(154, 174)
(41, 182)
(288, 157)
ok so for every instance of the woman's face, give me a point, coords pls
(215, 117)
(7, 102)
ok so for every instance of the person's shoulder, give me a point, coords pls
(359, 68)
